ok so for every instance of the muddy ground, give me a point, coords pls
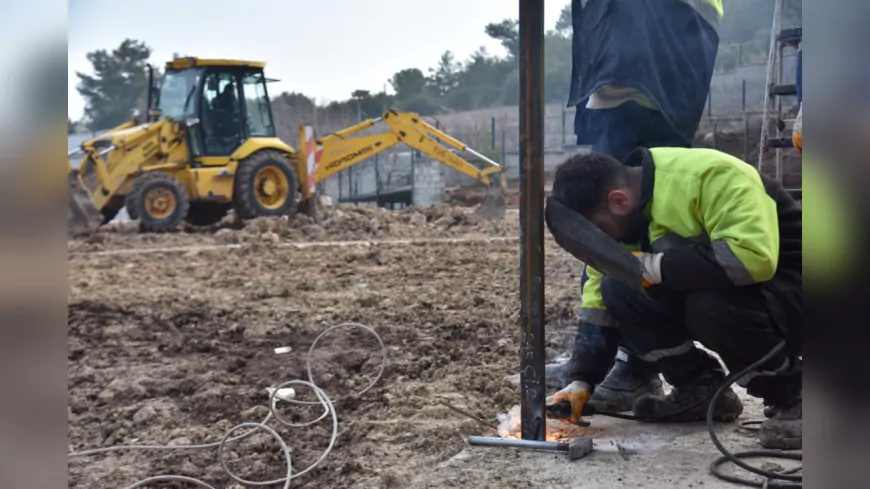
(172, 338)
(178, 347)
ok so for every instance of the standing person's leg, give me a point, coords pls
(619, 130)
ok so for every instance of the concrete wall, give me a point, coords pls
(428, 182)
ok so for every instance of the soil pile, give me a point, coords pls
(345, 222)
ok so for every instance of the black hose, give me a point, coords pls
(794, 481)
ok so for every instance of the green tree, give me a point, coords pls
(295, 101)
(478, 82)
(507, 32)
(70, 126)
(118, 85)
(557, 66)
(444, 77)
(421, 104)
(565, 25)
(408, 82)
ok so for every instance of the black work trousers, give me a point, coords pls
(736, 323)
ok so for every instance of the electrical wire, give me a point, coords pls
(322, 399)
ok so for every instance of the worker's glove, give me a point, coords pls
(652, 267)
(578, 394)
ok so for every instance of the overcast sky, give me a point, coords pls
(324, 49)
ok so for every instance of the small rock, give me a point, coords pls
(417, 220)
(226, 236)
(270, 238)
(106, 395)
(145, 414)
(182, 441)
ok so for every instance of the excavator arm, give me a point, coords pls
(337, 151)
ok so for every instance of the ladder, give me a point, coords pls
(773, 128)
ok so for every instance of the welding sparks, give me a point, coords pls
(509, 426)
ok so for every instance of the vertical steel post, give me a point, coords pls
(378, 178)
(532, 220)
(492, 132)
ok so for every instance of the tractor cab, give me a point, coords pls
(223, 103)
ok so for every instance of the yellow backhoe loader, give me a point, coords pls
(209, 146)
(333, 153)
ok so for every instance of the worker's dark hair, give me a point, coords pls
(583, 181)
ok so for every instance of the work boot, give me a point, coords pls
(783, 427)
(625, 383)
(558, 375)
(695, 391)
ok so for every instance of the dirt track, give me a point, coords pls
(179, 347)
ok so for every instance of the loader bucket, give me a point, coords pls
(83, 217)
(494, 205)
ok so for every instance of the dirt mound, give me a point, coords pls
(368, 222)
(345, 222)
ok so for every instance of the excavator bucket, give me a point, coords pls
(494, 203)
(83, 217)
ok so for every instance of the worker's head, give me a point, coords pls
(598, 187)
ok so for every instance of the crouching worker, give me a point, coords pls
(721, 248)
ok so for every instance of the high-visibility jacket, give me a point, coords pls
(716, 220)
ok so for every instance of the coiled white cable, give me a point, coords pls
(322, 399)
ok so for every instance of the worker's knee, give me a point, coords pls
(716, 316)
(633, 313)
(618, 297)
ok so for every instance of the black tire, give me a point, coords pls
(206, 213)
(246, 187)
(149, 220)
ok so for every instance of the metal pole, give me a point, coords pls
(503, 148)
(710, 103)
(745, 125)
(377, 181)
(413, 182)
(509, 442)
(563, 126)
(492, 132)
(534, 424)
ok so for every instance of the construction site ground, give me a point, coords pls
(172, 338)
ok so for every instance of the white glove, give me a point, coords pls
(652, 267)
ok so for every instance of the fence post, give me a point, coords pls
(710, 103)
(377, 181)
(413, 182)
(503, 149)
(492, 132)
